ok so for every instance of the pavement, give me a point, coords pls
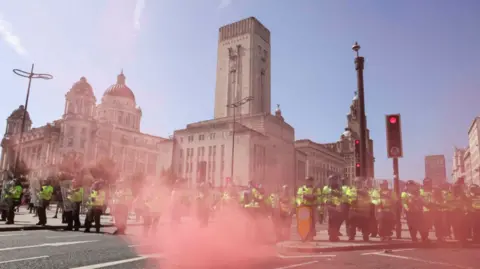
(321, 244)
(27, 221)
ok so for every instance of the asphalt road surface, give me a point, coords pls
(76, 250)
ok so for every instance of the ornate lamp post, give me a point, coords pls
(235, 106)
(30, 75)
(359, 65)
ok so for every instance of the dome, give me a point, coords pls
(82, 86)
(18, 114)
(120, 89)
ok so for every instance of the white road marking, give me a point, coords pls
(107, 264)
(59, 244)
(304, 256)
(66, 236)
(424, 261)
(297, 265)
(22, 234)
(25, 259)
(381, 252)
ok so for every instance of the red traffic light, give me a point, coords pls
(357, 142)
(358, 165)
(393, 120)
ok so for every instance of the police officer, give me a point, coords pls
(333, 196)
(413, 205)
(474, 214)
(459, 206)
(203, 203)
(14, 194)
(153, 211)
(426, 193)
(45, 196)
(96, 201)
(439, 209)
(284, 209)
(385, 200)
(75, 195)
(359, 213)
(122, 202)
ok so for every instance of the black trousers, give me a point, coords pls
(459, 224)
(335, 219)
(150, 223)
(4, 214)
(11, 211)
(73, 217)
(94, 213)
(42, 212)
(416, 225)
(386, 223)
(439, 219)
(361, 221)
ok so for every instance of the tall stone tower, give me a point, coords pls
(78, 122)
(243, 68)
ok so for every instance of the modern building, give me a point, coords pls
(474, 149)
(458, 166)
(321, 162)
(249, 142)
(435, 169)
(346, 147)
(88, 132)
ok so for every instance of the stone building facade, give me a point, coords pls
(321, 162)
(263, 148)
(89, 132)
(346, 147)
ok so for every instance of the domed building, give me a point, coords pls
(89, 132)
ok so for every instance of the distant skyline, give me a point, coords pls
(421, 61)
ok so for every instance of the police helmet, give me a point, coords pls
(474, 189)
(384, 183)
(411, 183)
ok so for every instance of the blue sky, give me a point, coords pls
(422, 60)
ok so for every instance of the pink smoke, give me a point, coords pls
(229, 238)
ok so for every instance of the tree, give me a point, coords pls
(104, 169)
(21, 171)
(70, 167)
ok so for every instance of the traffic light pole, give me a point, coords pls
(396, 188)
(359, 65)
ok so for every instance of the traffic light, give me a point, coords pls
(357, 158)
(394, 136)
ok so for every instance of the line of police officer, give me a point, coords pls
(369, 209)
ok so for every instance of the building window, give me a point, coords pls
(190, 138)
(212, 136)
(70, 142)
(181, 153)
(201, 137)
(82, 143)
(210, 151)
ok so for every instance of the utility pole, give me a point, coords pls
(30, 75)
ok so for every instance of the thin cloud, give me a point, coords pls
(139, 7)
(224, 4)
(10, 38)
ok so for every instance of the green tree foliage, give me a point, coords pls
(21, 171)
(105, 170)
(70, 167)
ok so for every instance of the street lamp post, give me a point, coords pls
(359, 65)
(235, 105)
(30, 75)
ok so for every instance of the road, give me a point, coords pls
(76, 250)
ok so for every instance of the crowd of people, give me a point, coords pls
(451, 210)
